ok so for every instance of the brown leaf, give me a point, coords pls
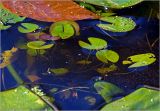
(49, 11)
(33, 77)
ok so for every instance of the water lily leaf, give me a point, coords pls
(141, 99)
(107, 90)
(117, 4)
(49, 11)
(105, 70)
(39, 45)
(84, 62)
(27, 27)
(33, 52)
(118, 24)
(64, 29)
(8, 17)
(95, 43)
(107, 55)
(21, 98)
(4, 27)
(59, 71)
(140, 60)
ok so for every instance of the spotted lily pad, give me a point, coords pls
(107, 90)
(141, 99)
(95, 44)
(27, 27)
(107, 55)
(59, 71)
(64, 29)
(21, 98)
(118, 24)
(39, 45)
(140, 60)
(114, 3)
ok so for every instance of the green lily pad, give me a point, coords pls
(118, 4)
(59, 71)
(142, 99)
(64, 29)
(118, 24)
(21, 98)
(39, 45)
(9, 17)
(107, 55)
(95, 44)
(33, 52)
(107, 90)
(140, 60)
(27, 27)
(4, 27)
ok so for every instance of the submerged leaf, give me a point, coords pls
(27, 27)
(118, 24)
(59, 71)
(33, 77)
(141, 99)
(107, 90)
(118, 4)
(107, 55)
(140, 60)
(83, 62)
(64, 29)
(95, 44)
(39, 45)
(90, 100)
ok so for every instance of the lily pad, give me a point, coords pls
(39, 45)
(34, 52)
(118, 4)
(140, 60)
(107, 90)
(142, 99)
(95, 44)
(64, 29)
(21, 98)
(107, 55)
(59, 71)
(27, 27)
(118, 24)
(4, 27)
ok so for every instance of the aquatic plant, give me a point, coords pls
(4, 27)
(140, 60)
(141, 99)
(118, 24)
(21, 98)
(64, 29)
(117, 4)
(107, 90)
(95, 44)
(59, 71)
(27, 27)
(107, 55)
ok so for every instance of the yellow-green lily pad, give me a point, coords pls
(27, 27)
(59, 71)
(117, 24)
(95, 44)
(140, 60)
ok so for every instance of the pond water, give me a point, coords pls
(75, 90)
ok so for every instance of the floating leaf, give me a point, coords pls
(142, 99)
(8, 17)
(83, 62)
(119, 24)
(64, 29)
(34, 52)
(105, 70)
(90, 100)
(39, 45)
(21, 99)
(49, 11)
(59, 71)
(118, 4)
(107, 55)
(95, 44)
(140, 60)
(107, 90)
(27, 27)
(4, 27)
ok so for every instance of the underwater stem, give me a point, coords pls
(14, 74)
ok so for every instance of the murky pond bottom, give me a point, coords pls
(73, 85)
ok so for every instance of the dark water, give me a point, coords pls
(66, 53)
